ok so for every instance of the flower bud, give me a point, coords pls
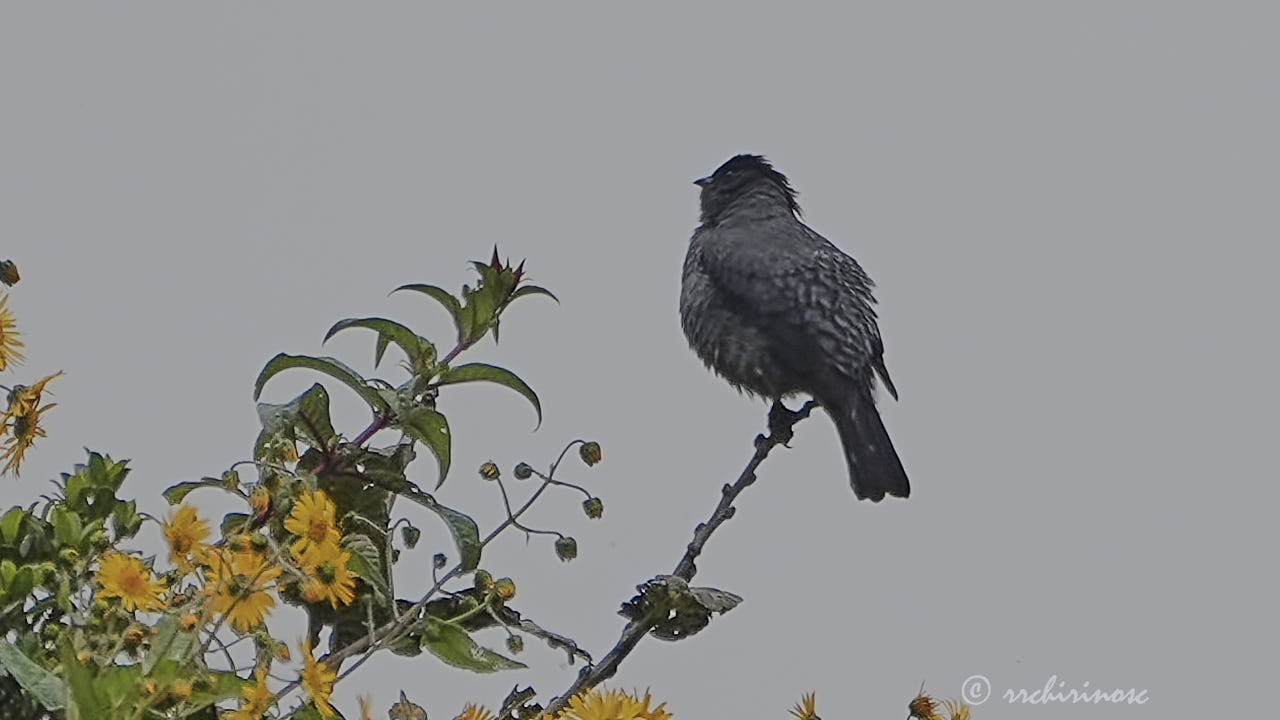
(590, 452)
(566, 548)
(523, 471)
(189, 622)
(489, 471)
(515, 643)
(181, 689)
(483, 580)
(505, 589)
(593, 507)
(259, 542)
(438, 561)
(9, 272)
(134, 636)
(260, 501)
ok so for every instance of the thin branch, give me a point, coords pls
(592, 675)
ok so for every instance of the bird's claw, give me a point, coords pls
(781, 418)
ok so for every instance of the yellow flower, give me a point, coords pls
(474, 712)
(125, 577)
(328, 577)
(185, 533)
(312, 521)
(9, 340)
(317, 679)
(254, 699)
(806, 708)
(612, 705)
(957, 710)
(239, 584)
(22, 421)
(23, 399)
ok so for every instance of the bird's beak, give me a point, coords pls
(702, 182)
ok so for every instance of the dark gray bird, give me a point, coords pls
(774, 308)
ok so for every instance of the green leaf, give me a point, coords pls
(532, 290)
(430, 428)
(125, 519)
(170, 642)
(226, 685)
(10, 524)
(67, 526)
(453, 645)
(21, 583)
(673, 609)
(308, 413)
(466, 534)
(177, 493)
(43, 685)
(366, 562)
(388, 331)
(491, 373)
(233, 523)
(326, 365)
(442, 296)
(83, 701)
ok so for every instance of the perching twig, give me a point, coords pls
(780, 422)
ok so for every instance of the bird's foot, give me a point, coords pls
(781, 419)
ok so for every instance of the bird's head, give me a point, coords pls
(740, 176)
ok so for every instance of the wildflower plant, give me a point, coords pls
(90, 628)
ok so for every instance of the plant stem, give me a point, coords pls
(592, 675)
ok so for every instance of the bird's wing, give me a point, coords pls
(789, 277)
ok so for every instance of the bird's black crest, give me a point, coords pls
(758, 166)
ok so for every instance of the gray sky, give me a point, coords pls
(1070, 212)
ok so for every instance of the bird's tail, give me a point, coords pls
(874, 467)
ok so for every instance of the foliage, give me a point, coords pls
(92, 629)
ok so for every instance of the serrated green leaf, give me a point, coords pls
(472, 372)
(327, 365)
(388, 331)
(43, 685)
(366, 562)
(532, 290)
(466, 535)
(453, 645)
(430, 428)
